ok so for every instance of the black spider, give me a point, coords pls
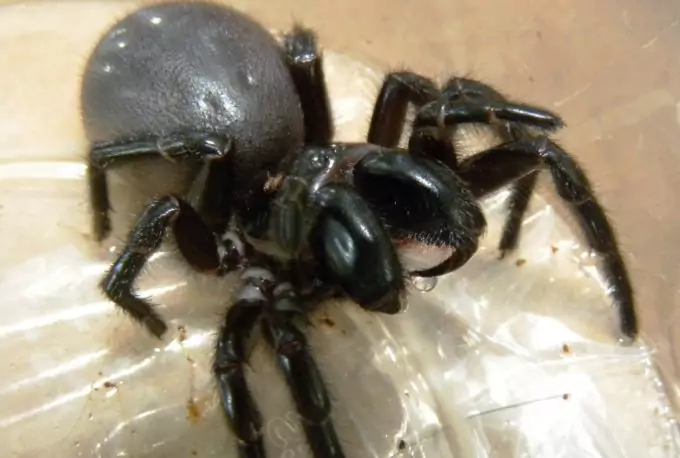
(299, 217)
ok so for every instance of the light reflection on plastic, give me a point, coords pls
(73, 313)
(62, 170)
(74, 395)
(76, 363)
(426, 412)
(111, 393)
(124, 424)
(95, 308)
(389, 352)
(196, 340)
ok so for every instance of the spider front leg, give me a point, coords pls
(399, 89)
(468, 101)
(504, 164)
(301, 372)
(201, 146)
(306, 66)
(202, 249)
(521, 193)
(239, 406)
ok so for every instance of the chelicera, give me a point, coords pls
(299, 217)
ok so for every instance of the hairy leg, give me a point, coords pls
(503, 165)
(198, 244)
(198, 146)
(306, 66)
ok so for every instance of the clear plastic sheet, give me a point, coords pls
(504, 358)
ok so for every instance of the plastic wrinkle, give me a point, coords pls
(504, 358)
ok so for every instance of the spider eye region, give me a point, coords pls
(318, 160)
(314, 166)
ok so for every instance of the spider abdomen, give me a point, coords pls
(194, 67)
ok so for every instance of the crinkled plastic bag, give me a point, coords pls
(503, 358)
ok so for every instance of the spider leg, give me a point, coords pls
(500, 166)
(302, 375)
(518, 203)
(239, 406)
(389, 113)
(200, 146)
(465, 100)
(464, 218)
(357, 251)
(306, 65)
(202, 249)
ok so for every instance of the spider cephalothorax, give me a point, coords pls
(298, 217)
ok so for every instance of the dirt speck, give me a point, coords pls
(328, 322)
(109, 384)
(566, 396)
(401, 445)
(194, 453)
(520, 262)
(554, 249)
(90, 416)
(193, 411)
(566, 349)
(273, 183)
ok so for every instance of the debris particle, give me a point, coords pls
(194, 453)
(193, 411)
(401, 445)
(520, 262)
(566, 349)
(90, 416)
(566, 396)
(108, 384)
(554, 249)
(328, 322)
(273, 183)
